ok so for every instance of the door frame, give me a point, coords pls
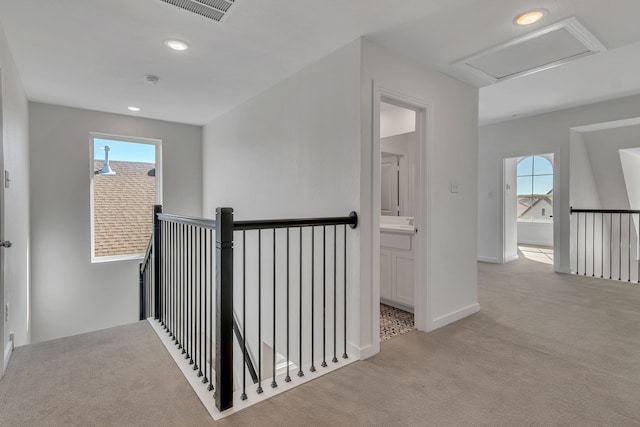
(422, 194)
(516, 158)
(3, 362)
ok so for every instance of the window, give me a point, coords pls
(535, 189)
(125, 184)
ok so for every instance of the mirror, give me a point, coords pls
(397, 147)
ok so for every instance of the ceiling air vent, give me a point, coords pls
(212, 9)
(540, 50)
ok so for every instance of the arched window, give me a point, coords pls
(535, 189)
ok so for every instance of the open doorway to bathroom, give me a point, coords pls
(528, 210)
(398, 147)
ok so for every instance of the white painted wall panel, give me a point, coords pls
(70, 294)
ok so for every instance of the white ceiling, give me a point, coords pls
(95, 53)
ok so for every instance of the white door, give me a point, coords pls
(390, 196)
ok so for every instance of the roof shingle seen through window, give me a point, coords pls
(123, 208)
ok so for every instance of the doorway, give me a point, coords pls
(528, 208)
(398, 159)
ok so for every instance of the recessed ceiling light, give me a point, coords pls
(530, 17)
(133, 108)
(176, 44)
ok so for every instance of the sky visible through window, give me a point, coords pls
(124, 151)
(535, 176)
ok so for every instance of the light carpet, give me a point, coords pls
(545, 350)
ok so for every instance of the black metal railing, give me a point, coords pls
(177, 289)
(605, 243)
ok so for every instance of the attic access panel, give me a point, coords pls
(537, 51)
(212, 9)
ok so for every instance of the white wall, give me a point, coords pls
(396, 121)
(15, 140)
(583, 190)
(535, 233)
(545, 133)
(448, 263)
(304, 147)
(292, 151)
(71, 295)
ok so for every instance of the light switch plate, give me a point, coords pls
(454, 186)
(7, 180)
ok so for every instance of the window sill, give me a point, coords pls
(113, 258)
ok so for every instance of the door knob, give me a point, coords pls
(6, 244)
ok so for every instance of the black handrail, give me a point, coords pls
(615, 211)
(147, 254)
(351, 220)
(247, 357)
(179, 267)
(188, 220)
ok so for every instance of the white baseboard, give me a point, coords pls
(396, 304)
(362, 353)
(511, 258)
(455, 316)
(8, 351)
(489, 259)
(205, 395)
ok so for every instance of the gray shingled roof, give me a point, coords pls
(123, 208)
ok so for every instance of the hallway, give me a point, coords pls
(546, 349)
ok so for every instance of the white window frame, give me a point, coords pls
(136, 140)
(552, 174)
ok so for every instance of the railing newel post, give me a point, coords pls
(157, 259)
(224, 308)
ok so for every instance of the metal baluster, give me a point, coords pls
(593, 245)
(313, 233)
(210, 283)
(274, 384)
(172, 281)
(620, 244)
(165, 274)
(183, 291)
(344, 355)
(203, 270)
(335, 289)
(259, 389)
(629, 240)
(601, 245)
(324, 296)
(578, 243)
(200, 299)
(300, 373)
(179, 283)
(610, 244)
(244, 315)
(190, 281)
(585, 244)
(287, 378)
(174, 284)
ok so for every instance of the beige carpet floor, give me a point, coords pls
(545, 350)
